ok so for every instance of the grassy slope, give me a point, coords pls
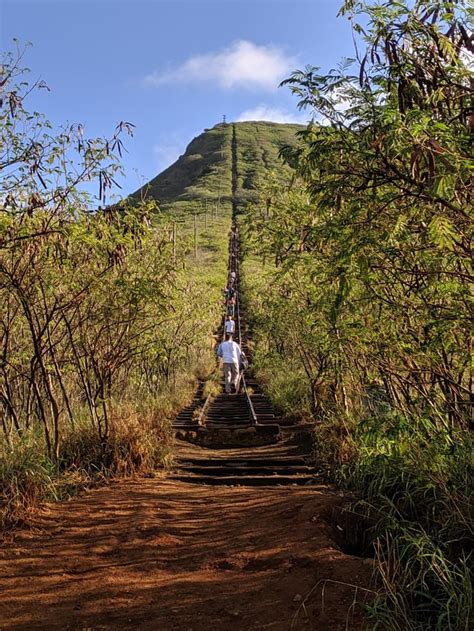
(200, 183)
(258, 145)
(203, 172)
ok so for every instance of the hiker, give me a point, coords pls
(229, 324)
(230, 353)
(231, 307)
(232, 276)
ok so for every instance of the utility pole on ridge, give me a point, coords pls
(195, 236)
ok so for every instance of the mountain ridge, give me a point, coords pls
(204, 172)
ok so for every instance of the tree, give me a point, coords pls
(387, 233)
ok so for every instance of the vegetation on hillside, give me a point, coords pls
(358, 277)
(257, 148)
(201, 175)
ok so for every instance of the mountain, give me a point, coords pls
(222, 165)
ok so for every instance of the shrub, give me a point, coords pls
(415, 493)
(139, 442)
(26, 479)
(283, 383)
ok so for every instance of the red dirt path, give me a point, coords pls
(168, 555)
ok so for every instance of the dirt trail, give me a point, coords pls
(167, 555)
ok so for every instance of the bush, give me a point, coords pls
(139, 442)
(26, 479)
(284, 384)
(415, 492)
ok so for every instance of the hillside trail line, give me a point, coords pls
(236, 537)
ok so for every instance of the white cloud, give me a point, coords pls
(243, 64)
(272, 114)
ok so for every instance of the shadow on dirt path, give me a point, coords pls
(168, 555)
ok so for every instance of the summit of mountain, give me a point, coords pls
(223, 164)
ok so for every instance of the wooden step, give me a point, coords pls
(253, 480)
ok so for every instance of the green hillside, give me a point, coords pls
(256, 149)
(219, 173)
(204, 173)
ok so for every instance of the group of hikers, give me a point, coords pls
(229, 350)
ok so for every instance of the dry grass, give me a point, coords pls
(140, 441)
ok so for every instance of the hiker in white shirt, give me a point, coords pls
(229, 325)
(230, 353)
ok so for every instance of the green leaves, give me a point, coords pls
(442, 232)
(386, 232)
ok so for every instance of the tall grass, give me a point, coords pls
(422, 585)
(414, 488)
(284, 383)
(26, 479)
(140, 442)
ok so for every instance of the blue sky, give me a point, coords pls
(172, 68)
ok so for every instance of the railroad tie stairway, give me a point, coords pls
(237, 439)
(228, 412)
(279, 464)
